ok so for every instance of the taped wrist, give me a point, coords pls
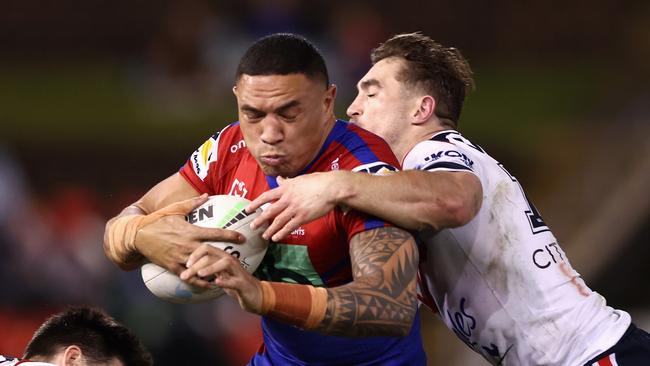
(120, 239)
(301, 305)
(121, 233)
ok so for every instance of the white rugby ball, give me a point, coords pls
(221, 211)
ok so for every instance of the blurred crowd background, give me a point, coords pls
(101, 99)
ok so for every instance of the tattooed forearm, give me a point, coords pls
(381, 300)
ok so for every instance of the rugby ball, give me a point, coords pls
(221, 211)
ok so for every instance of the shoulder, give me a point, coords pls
(231, 134)
(227, 140)
(363, 147)
(445, 150)
(353, 136)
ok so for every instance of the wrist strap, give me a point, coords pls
(119, 240)
(301, 305)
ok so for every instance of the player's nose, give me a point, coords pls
(272, 132)
(354, 110)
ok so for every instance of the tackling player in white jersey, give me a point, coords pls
(490, 265)
(82, 336)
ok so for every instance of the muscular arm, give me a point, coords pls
(412, 199)
(173, 189)
(170, 190)
(382, 298)
(380, 301)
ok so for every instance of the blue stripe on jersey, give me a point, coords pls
(272, 181)
(447, 165)
(370, 224)
(339, 126)
(351, 141)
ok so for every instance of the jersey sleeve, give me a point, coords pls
(198, 169)
(355, 222)
(439, 156)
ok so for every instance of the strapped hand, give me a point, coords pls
(163, 236)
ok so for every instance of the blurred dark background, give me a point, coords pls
(99, 100)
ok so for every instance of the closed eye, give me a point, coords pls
(253, 115)
(288, 117)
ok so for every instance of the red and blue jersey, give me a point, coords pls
(316, 253)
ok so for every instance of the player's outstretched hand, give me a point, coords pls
(207, 261)
(296, 201)
(169, 240)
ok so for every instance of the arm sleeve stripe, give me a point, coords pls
(446, 165)
(372, 223)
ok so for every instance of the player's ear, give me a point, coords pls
(72, 356)
(425, 107)
(234, 89)
(330, 96)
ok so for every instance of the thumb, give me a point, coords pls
(281, 180)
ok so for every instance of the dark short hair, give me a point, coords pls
(439, 71)
(283, 54)
(99, 337)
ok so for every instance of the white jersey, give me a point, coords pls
(10, 361)
(502, 283)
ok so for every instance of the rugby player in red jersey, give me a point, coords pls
(343, 274)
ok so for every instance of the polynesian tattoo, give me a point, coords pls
(382, 298)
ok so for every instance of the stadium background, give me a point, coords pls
(101, 99)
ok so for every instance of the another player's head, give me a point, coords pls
(285, 102)
(86, 336)
(413, 80)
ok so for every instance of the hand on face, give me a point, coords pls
(170, 240)
(207, 261)
(295, 202)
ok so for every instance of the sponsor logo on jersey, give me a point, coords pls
(238, 189)
(379, 168)
(464, 325)
(335, 164)
(298, 232)
(450, 154)
(241, 143)
(552, 253)
(203, 156)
